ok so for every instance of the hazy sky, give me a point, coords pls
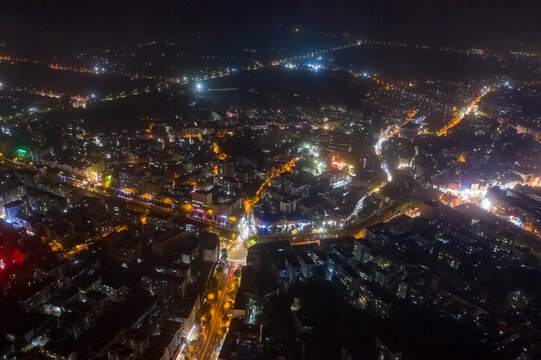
(49, 26)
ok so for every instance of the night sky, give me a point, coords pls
(46, 27)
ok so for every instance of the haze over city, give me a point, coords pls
(218, 180)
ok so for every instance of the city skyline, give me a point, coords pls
(281, 180)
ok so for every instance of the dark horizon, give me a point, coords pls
(45, 27)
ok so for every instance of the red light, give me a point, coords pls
(18, 256)
(338, 164)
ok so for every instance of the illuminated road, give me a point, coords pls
(208, 348)
(247, 222)
(391, 131)
(388, 133)
(249, 203)
(463, 113)
(360, 204)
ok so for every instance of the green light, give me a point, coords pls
(21, 152)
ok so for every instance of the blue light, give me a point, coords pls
(313, 67)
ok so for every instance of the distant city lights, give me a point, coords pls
(313, 67)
